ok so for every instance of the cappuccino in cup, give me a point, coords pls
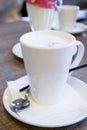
(46, 41)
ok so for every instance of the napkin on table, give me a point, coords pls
(17, 84)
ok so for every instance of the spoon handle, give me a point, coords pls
(78, 67)
(72, 69)
(24, 88)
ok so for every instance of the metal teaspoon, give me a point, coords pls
(21, 103)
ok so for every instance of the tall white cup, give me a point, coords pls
(48, 58)
(67, 15)
(41, 18)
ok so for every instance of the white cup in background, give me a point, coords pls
(41, 18)
(67, 15)
(48, 58)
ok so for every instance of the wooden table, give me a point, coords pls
(12, 68)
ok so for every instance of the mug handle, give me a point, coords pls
(78, 55)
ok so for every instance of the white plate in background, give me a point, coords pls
(79, 28)
(17, 50)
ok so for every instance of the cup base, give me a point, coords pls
(52, 101)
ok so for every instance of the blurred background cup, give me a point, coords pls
(41, 13)
(67, 15)
(48, 57)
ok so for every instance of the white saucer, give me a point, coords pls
(79, 28)
(50, 116)
(17, 50)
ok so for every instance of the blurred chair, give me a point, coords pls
(10, 10)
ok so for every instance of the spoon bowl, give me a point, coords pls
(20, 103)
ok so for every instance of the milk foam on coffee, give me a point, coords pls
(47, 40)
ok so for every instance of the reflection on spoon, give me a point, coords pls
(21, 103)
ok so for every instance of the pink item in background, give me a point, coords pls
(43, 3)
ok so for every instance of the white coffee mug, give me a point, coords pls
(48, 58)
(41, 18)
(67, 15)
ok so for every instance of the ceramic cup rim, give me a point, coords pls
(69, 7)
(69, 37)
